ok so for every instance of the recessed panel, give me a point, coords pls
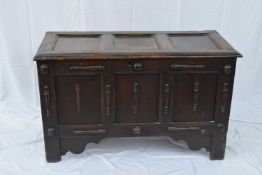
(137, 98)
(193, 97)
(135, 42)
(67, 43)
(194, 43)
(78, 99)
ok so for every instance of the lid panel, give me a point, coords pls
(192, 43)
(69, 43)
(107, 45)
(135, 42)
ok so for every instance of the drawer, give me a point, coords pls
(73, 67)
(166, 65)
(198, 65)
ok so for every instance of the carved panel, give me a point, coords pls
(78, 99)
(193, 97)
(194, 141)
(76, 146)
(136, 98)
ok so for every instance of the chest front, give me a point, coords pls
(97, 85)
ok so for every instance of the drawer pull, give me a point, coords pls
(173, 128)
(166, 100)
(187, 66)
(88, 132)
(87, 68)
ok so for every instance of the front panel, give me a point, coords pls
(193, 97)
(136, 98)
(79, 99)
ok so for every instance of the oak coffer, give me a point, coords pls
(110, 84)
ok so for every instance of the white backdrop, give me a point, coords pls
(24, 23)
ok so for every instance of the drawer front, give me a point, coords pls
(78, 67)
(165, 66)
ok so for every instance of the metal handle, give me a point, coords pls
(173, 128)
(87, 68)
(88, 132)
(187, 66)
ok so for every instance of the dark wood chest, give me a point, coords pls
(116, 84)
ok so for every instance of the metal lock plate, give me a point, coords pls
(136, 66)
(137, 130)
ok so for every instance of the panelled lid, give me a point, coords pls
(121, 45)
